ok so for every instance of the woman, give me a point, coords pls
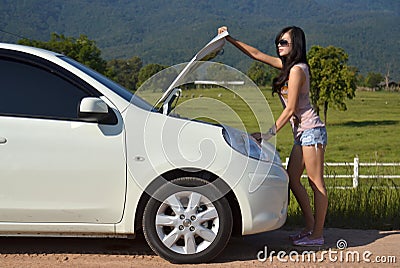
(310, 138)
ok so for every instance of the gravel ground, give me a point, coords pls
(344, 248)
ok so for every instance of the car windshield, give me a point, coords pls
(118, 89)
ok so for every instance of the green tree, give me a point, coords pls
(261, 74)
(373, 79)
(360, 80)
(148, 71)
(332, 79)
(125, 72)
(81, 49)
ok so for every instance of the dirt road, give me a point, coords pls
(365, 248)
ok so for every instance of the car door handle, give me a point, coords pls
(3, 140)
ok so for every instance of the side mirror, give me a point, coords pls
(92, 109)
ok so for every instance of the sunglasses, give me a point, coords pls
(283, 43)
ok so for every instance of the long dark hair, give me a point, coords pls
(298, 54)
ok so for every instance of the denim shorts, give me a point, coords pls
(312, 136)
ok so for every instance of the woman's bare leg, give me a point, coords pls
(314, 163)
(295, 170)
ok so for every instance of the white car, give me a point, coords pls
(82, 156)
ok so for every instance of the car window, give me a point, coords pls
(118, 89)
(33, 91)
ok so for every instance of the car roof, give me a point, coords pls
(31, 50)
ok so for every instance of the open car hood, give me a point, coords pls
(213, 46)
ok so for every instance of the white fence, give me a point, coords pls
(356, 170)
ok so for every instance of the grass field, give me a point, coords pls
(368, 129)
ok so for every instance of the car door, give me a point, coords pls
(55, 167)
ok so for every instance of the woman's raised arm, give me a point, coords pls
(253, 52)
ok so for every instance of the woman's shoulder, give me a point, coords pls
(300, 66)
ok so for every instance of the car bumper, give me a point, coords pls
(262, 194)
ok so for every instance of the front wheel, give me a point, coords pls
(187, 220)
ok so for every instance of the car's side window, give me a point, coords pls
(32, 91)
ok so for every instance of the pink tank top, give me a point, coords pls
(305, 116)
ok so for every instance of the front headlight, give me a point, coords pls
(244, 144)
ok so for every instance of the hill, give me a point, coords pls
(170, 32)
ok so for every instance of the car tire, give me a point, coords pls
(187, 220)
